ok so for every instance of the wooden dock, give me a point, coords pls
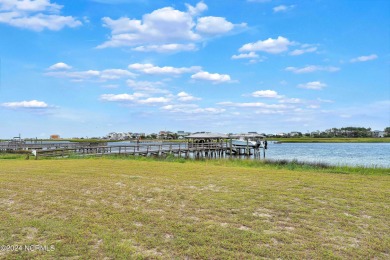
(181, 150)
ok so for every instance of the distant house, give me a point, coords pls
(293, 134)
(165, 135)
(119, 136)
(378, 133)
(138, 135)
(182, 134)
(54, 137)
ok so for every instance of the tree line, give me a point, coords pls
(346, 132)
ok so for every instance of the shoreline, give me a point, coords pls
(331, 140)
(293, 164)
(272, 139)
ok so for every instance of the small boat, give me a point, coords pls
(244, 143)
(252, 141)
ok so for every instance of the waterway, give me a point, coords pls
(351, 154)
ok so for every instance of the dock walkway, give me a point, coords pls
(181, 150)
(157, 149)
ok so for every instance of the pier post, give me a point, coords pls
(231, 150)
(247, 148)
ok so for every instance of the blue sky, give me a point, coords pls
(90, 67)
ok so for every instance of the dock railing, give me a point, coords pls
(184, 149)
(143, 149)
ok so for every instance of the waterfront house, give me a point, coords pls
(378, 133)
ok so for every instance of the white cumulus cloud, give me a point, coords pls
(312, 68)
(304, 48)
(213, 77)
(365, 58)
(196, 10)
(250, 55)
(146, 86)
(183, 96)
(252, 105)
(62, 70)
(120, 97)
(148, 68)
(317, 85)
(35, 15)
(166, 48)
(154, 100)
(192, 109)
(165, 29)
(213, 25)
(266, 94)
(283, 8)
(34, 104)
(136, 98)
(273, 46)
(60, 66)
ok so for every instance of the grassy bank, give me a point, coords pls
(236, 162)
(121, 209)
(331, 140)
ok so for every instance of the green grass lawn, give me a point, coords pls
(124, 209)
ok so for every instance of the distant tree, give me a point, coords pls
(387, 132)
(355, 132)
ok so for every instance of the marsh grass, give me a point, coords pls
(13, 156)
(240, 162)
(332, 140)
(106, 208)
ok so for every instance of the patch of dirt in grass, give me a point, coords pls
(270, 232)
(285, 226)
(194, 218)
(168, 236)
(117, 205)
(140, 250)
(120, 184)
(243, 227)
(7, 202)
(96, 246)
(90, 202)
(263, 213)
(343, 243)
(211, 187)
(30, 232)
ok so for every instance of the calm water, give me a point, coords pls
(355, 154)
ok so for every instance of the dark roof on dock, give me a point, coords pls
(246, 136)
(207, 136)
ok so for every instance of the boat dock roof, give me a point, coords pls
(207, 136)
(247, 136)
